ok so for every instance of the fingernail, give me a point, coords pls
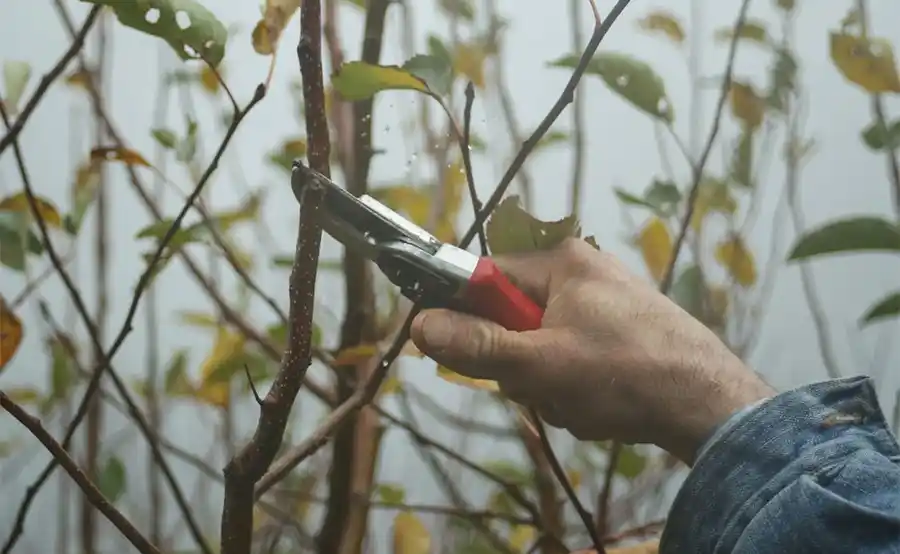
(436, 330)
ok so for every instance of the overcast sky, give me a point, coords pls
(842, 179)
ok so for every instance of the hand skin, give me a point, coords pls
(614, 358)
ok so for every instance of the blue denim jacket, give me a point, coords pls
(812, 470)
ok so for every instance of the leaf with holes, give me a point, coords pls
(887, 307)
(663, 22)
(858, 234)
(410, 535)
(868, 63)
(112, 480)
(734, 256)
(751, 30)
(746, 105)
(451, 376)
(512, 230)
(16, 75)
(11, 332)
(276, 15)
(391, 494)
(114, 154)
(435, 71)
(655, 244)
(882, 137)
(632, 79)
(189, 28)
(360, 80)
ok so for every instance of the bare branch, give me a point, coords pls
(88, 488)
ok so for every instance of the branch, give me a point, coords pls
(94, 382)
(466, 151)
(697, 169)
(47, 80)
(251, 463)
(88, 488)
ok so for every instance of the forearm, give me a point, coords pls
(809, 470)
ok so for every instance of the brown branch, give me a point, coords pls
(464, 146)
(251, 463)
(49, 78)
(94, 382)
(697, 170)
(87, 487)
(350, 447)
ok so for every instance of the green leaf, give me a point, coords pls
(751, 30)
(360, 80)
(176, 382)
(187, 148)
(438, 49)
(552, 138)
(165, 137)
(878, 137)
(436, 72)
(111, 480)
(512, 230)
(742, 160)
(16, 75)
(631, 463)
(509, 472)
(62, 371)
(889, 306)
(390, 493)
(189, 28)
(662, 197)
(629, 77)
(783, 79)
(462, 9)
(17, 240)
(860, 234)
(688, 290)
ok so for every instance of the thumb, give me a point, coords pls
(469, 345)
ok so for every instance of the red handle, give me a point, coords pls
(492, 296)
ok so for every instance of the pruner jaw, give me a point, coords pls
(362, 224)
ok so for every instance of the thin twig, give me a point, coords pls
(90, 490)
(49, 78)
(466, 151)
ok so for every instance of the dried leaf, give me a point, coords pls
(714, 196)
(209, 80)
(11, 332)
(46, 210)
(468, 60)
(215, 385)
(655, 244)
(355, 355)
(276, 16)
(746, 105)
(663, 22)
(753, 31)
(114, 154)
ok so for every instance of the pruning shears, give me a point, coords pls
(428, 271)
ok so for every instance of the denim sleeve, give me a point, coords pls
(811, 470)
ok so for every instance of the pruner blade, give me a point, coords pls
(426, 270)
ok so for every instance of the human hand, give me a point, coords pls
(614, 359)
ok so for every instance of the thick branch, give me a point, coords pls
(251, 463)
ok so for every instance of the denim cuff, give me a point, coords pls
(765, 448)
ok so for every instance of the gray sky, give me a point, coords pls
(842, 179)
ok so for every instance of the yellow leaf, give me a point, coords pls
(867, 63)
(124, 155)
(746, 105)
(355, 354)
(734, 256)
(227, 347)
(390, 385)
(410, 349)
(208, 79)
(11, 332)
(451, 376)
(713, 196)
(521, 537)
(79, 79)
(410, 201)
(275, 18)
(19, 203)
(574, 477)
(655, 243)
(410, 535)
(754, 31)
(718, 304)
(199, 319)
(469, 61)
(663, 22)
(23, 395)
